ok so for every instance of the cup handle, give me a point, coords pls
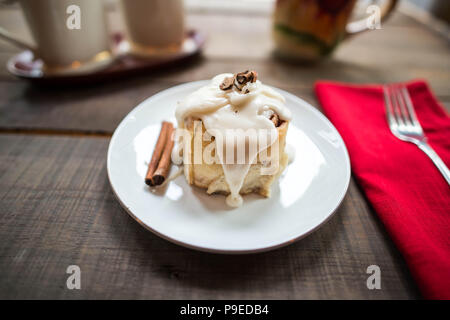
(358, 26)
(8, 36)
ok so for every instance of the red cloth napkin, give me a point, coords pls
(406, 190)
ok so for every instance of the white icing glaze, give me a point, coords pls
(222, 110)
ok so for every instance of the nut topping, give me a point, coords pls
(239, 80)
(227, 83)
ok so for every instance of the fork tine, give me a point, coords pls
(400, 110)
(403, 110)
(389, 108)
(396, 106)
(410, 107)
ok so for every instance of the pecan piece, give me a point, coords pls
(242, 78)
(227, 83)
(239, 80)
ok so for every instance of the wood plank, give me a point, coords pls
(86, 109)
(57, 209)
(101, 108)
(402, 50)
(392, 40)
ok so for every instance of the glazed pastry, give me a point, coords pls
(240, 125)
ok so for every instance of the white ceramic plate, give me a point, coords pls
(305, 196)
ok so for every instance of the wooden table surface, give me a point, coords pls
(57, 208)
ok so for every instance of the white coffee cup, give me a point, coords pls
(154, 26)
(69, 35)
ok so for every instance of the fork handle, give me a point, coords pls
(425, 147)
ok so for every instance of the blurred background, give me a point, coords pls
(420, 9)
(412, 43)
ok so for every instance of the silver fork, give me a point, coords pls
(405, 126)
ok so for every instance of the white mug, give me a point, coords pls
(69, 35)
(154, 26)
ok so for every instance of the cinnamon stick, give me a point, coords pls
(164, 164)
(164, 136)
